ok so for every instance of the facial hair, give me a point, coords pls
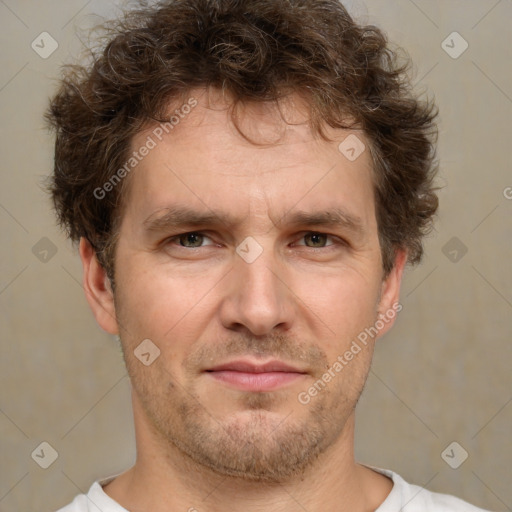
(268, 437)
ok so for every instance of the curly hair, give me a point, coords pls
(256, 51)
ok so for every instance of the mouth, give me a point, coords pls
(249, 376)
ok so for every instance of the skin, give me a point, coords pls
(203, 444)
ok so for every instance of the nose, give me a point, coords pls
(257, 298)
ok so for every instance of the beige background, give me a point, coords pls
(441, 375)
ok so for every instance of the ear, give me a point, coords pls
(389, 306)
(98, 291)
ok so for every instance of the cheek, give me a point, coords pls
(345, 301)
(171, 311)
(149, 285)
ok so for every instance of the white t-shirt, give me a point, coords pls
(403, 497)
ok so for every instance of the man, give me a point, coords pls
(247, 181)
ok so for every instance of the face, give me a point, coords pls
(252, 270)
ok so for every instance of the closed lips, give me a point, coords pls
(245, 367)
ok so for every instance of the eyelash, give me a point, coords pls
(335, 239)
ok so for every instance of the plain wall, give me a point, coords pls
(441, 375)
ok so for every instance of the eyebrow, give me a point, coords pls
(183, 217)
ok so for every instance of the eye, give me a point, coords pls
(191, 240)
(317, 240)
(195, 240)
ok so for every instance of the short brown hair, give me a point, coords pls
(257, 51)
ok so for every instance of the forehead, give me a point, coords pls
(200, 158)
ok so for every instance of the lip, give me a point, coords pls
(250, 376)
(243, 365)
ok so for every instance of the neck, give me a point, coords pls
(163, 479)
